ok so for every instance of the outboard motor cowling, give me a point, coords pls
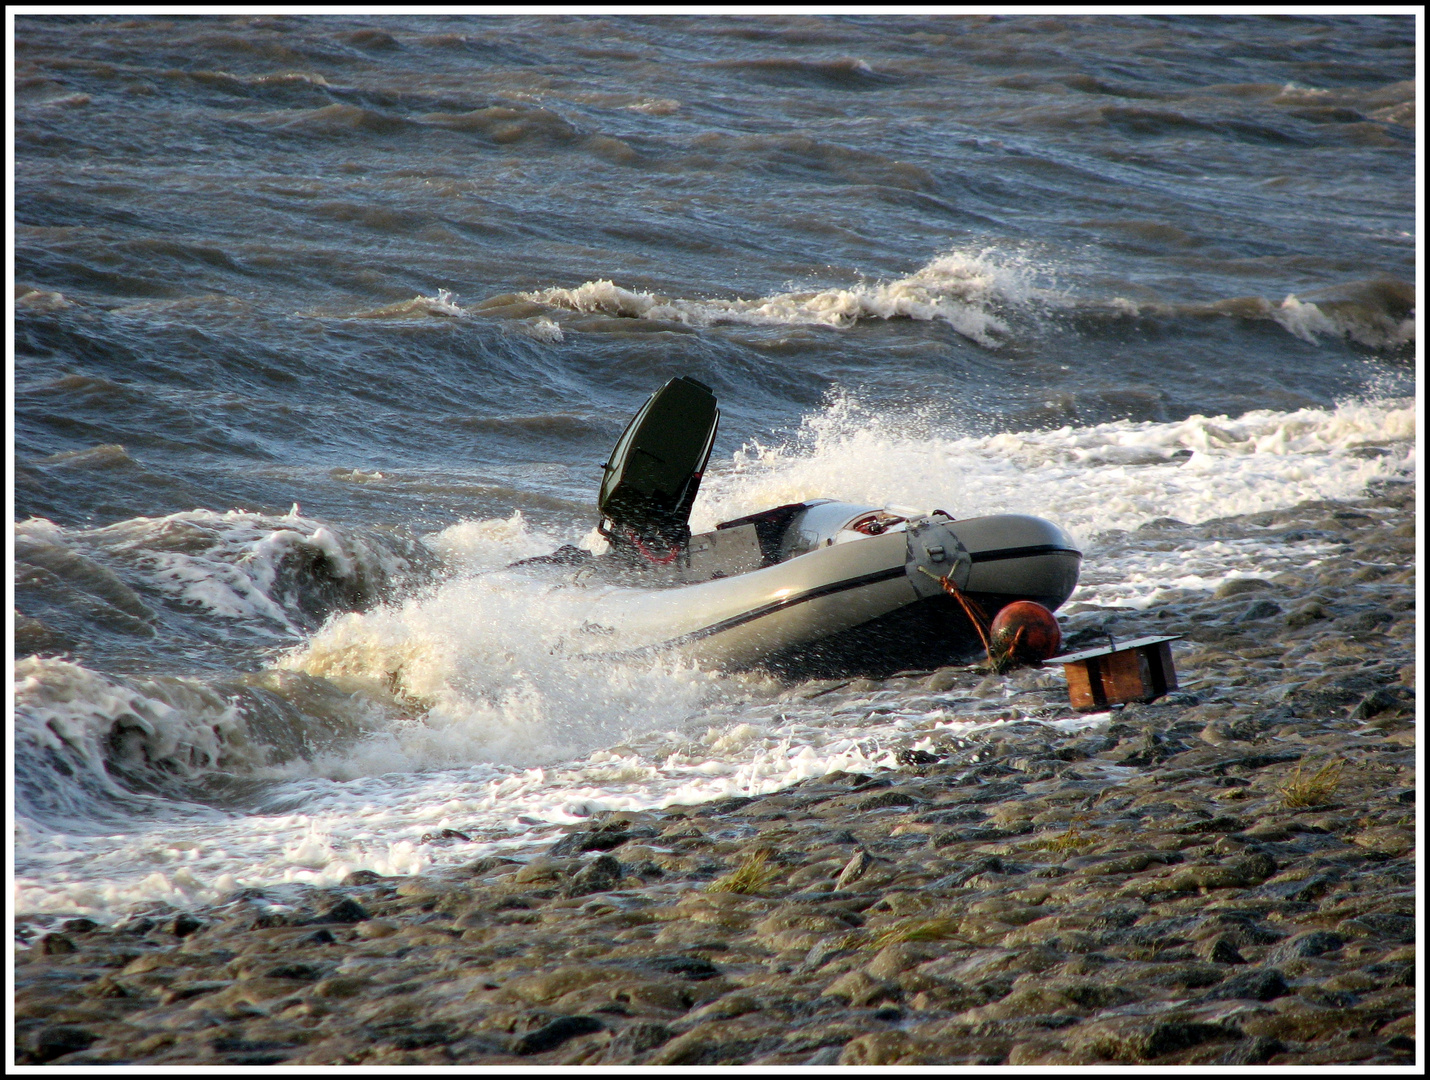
(654, 471)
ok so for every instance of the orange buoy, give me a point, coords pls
(1025, 632)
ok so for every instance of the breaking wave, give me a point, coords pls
(1378, 314)
(970, 291)
(985, 295)
(98, 745)
(286, 572)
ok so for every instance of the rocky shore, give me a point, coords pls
(1225, 875)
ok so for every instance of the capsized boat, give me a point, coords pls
(810, 588)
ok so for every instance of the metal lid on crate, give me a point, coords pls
(1107, 650)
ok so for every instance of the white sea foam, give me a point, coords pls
(1309, 322)
(481, 545)
(656, 106)
(39, 299)
(543, 329)
(420, 306)
(1141, 579)
(482, 661)
(1090, 480)
(1304, 320)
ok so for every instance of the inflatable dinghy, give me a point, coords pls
(810, 588)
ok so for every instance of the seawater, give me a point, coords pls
(322, 321)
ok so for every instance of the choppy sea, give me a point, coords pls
(319, 321)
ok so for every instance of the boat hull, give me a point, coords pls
(874, 605)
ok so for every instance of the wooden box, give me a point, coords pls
(1137, 670)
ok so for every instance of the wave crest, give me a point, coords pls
(969, 290)
(288, 572)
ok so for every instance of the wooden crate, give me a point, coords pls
(1137, 670)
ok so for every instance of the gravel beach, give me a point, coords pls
(1224, 876)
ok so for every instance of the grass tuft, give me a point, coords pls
(938, 929)
(1301, 791)
(753, 875)
(1072, 840)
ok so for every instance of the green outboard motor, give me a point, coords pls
(655, 470)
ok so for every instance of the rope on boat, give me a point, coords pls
(969, 608)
